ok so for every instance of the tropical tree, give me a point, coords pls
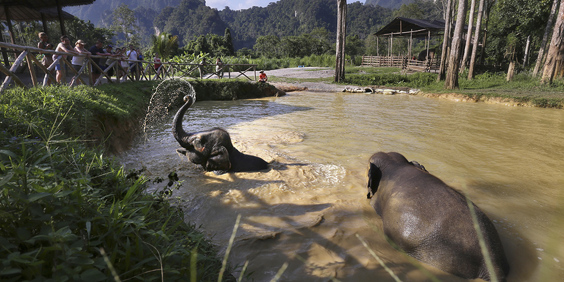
(164, 44)
(468, 35)
(229, 42)
(411, 10)
(268, 46)
(555, 47)
(124, 26)
(545, 37)
(475, 42)
(446, 39)
(451, 80)
(341, 40)
(354, 46)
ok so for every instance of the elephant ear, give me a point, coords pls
(374, 176)
(218, 160)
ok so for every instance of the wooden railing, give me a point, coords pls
(401, 62)
(145, 70)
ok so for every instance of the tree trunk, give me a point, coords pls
(526, 57)
(446, 40)
(475, 42)
(468, 36)
(486, 17)
(545, 38)
(555, 44)
(511, 70)
(451, 81)
(341, 37)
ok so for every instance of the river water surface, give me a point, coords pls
(306, 214)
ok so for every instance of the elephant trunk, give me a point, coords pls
(179, 134)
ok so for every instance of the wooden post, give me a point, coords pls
(341, 37)
(31, 69)
(61, 20)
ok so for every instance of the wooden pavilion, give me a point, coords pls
(410, 28)
(35, 10)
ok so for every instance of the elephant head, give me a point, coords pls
(212, 149)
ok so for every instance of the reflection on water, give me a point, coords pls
(306, 210)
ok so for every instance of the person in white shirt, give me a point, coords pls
(78, 61)
(132, 56)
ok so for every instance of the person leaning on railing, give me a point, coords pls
(78, 61)
(98, 51)
(46, 59)
(63, 46)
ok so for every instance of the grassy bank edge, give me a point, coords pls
(523, 90)
(70, 212)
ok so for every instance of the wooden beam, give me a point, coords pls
(31, 69)
(61, 20)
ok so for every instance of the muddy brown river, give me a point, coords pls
(306, 214)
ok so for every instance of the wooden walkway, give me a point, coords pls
(27, 70)
(404, 63)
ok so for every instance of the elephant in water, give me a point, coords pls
(431, 221)
(212, 148)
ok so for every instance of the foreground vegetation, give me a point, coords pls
(68, 211)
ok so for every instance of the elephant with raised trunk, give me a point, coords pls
(431, 221)
(212, 149)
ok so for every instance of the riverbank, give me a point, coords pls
(493, 90)
(71, 211)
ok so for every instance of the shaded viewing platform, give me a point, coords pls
(28, 71)
(410, 29)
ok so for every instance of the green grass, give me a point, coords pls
(523, 88)
(70, 212)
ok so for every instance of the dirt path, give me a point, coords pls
(306, 72)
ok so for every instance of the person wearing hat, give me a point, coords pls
(78, 61)
(46, 59)
(263, 77)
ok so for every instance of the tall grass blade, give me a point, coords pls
(194, 265)
(280, 272)
(243, 271)
(380, 261)
(224, 263)
(482, 242)
(110, 265)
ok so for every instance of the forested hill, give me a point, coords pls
(191, 18)
(296, 17)
(392, 4)
(95, 11)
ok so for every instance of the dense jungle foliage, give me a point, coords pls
(266, 30)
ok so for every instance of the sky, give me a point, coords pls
(237, 4)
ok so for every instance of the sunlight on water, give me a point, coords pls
(312, 202)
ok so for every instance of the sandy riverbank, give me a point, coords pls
(320, 72)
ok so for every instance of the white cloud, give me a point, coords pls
(236, 4)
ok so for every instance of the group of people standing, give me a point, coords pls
(129, 59)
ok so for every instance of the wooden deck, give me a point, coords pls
(27, 71)
(401, 62)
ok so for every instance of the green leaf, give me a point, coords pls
(37, 196)
(92, 275)
(10, 271)
(7, 178)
